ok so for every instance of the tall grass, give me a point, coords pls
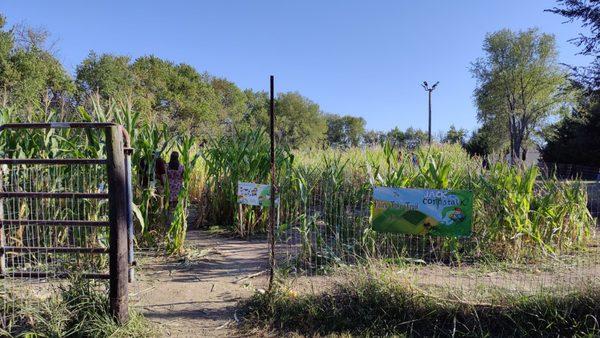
(378, 304)
(79, 308)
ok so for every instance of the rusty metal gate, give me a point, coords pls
(67, 216)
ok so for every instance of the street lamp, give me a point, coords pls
(429, 90)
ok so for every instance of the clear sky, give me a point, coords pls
(363, 58)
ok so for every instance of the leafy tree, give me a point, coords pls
(232, 100)
(299, 121)
(455, 135)
(481, 142)
(344, 131)
(588, 13)
(519, 84)
(576, 138)
(409, 138)
(373, 137)
(257, 109)
(107, 75)
(31, 78)
(189, 99)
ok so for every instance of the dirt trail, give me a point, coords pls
(197, 296)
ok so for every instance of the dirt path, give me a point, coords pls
(197, 296)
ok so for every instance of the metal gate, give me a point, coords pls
(68, 216)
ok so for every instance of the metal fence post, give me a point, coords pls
(2, 240)
(117, 188)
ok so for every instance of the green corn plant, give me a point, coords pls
(178, 228)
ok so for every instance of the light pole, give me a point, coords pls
(429, 90)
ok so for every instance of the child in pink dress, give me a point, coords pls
(175, 177)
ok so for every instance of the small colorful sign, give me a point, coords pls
(432, 212)
(254, 194)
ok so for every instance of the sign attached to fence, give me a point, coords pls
(255, 194)
(422, 211)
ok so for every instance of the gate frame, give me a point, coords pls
(119, 196)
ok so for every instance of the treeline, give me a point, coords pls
(35, 86)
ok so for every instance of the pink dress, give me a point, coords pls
(175, 177)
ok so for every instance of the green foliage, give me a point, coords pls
(178, 227)
(379, 305)
(106, 75)
(455, 135)
(410, 138)
(242, 156)
(79, 309)
(519, 84)
(344, 131)
(299, 121)
(579, 130)
(32, 80)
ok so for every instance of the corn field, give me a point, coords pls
(521, 217)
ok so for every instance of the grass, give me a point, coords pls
(378, 304)
(78, 309)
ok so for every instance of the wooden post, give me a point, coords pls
(273, 190)
(117, 188)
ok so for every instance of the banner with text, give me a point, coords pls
(254, 194)
(422, 211)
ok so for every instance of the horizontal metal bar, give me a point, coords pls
(61, 275)
(53, 222)
(52, 161)
(10, 194)
(88, 125)
(44, 249)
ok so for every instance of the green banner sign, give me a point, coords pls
(422, 211)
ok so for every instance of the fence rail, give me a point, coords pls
(63, 216)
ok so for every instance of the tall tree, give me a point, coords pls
(588, 13)
(454, 135)
(576, 138)
(519, 84)
(107, 75)
(299, 120)
(346, 131)
(31, 78)
(410, 138)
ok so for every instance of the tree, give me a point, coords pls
(482, 142)
(576, 138)
(107, 75)
(519, 84)
(299, 121)
(373, 137)
(455, 135)
(588, 12)
(232, 100)
(346, 131)
(409, 138)
(31, 78)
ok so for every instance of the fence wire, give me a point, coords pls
(46, 238)
(327, 229)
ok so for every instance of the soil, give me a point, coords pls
(196, 296)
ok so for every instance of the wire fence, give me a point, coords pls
(54, 219)
(328, 227)
(566, 171)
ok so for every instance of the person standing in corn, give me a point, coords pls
(175, 181)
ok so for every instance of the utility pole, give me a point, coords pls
(429, 90)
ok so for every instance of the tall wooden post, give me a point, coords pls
(117, 189)
(273, 190)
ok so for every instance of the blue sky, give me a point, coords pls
(362, 58)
